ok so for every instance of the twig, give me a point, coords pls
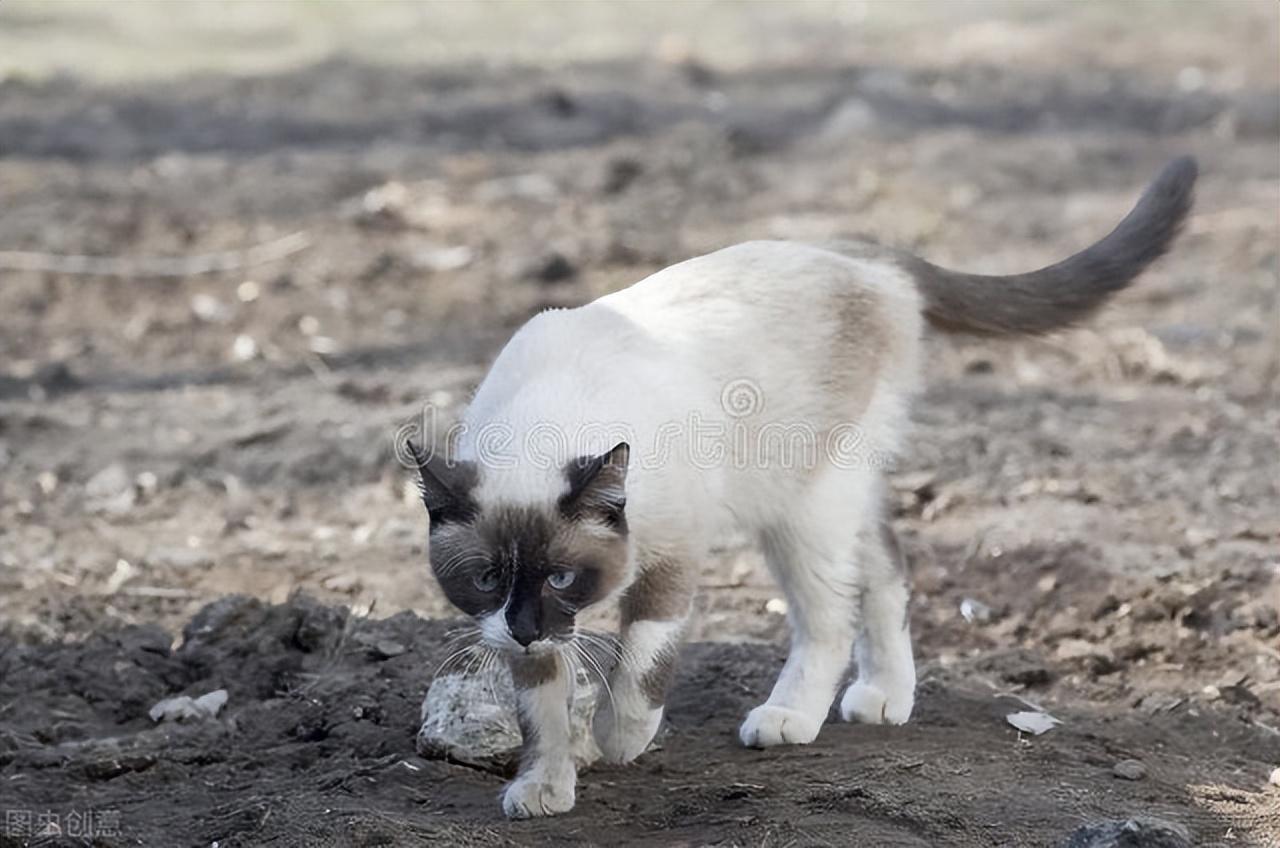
(155, 266)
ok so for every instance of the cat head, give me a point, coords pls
(525, 571)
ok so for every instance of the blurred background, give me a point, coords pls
(241, 243)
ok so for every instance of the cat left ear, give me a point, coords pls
(598, 486)
(446, 486)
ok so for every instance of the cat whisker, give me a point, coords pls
(456, 656)
(590, 665)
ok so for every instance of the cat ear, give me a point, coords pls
(598, 486)
(446, 486)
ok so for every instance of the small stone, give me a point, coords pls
(440, 259)
(974, 611)
(388, 648)
(186, 708)
(1274, 780)
(108, 482)
(248, 291)
(111, 491)
(1129, 770)
(208, 308)
(1034, 722)
(48, 482)
(1129, 833)
(244, 348)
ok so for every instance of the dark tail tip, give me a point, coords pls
(1069, 291)
(1171, 192)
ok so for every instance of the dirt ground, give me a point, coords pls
(399, 192)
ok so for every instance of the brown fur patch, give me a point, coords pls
(656, 682)
(530, 672)
(662, 592)
(859, 346)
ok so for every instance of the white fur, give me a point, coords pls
(547, 778)
(626, 722)
(742, 343)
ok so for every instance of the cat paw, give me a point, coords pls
(622, 737)
(539, 793)
(871, 704)
(768, 725)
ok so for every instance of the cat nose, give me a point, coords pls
(524, 626)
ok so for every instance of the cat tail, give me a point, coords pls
(1069, 291)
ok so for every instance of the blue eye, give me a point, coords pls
(562, 579)
(487, 580)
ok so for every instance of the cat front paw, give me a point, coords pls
(623, 735)
(872, 703)
(768, 725)
(540, 792)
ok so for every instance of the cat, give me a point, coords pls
(762, 389)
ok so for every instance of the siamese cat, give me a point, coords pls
(762, 389)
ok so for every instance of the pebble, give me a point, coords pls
(388, 648)
(1129, 770)
(1129, 833)
(184, 707)
(111, 491)
(108, 482)
(972, 610)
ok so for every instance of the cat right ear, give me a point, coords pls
(446, 486)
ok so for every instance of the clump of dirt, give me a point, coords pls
(316, 747)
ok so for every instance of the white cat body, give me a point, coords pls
(758, 390)
(662, 363)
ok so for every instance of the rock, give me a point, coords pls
(209, 309)
(1033, 721)
(111, 491)
(1129, 770)
(108, 482)
(244, 348)
(438, 259)
(973, 610)
(471, 719)
(1274, 779)
(1129, 833)
(184, 707)
(388, 648)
